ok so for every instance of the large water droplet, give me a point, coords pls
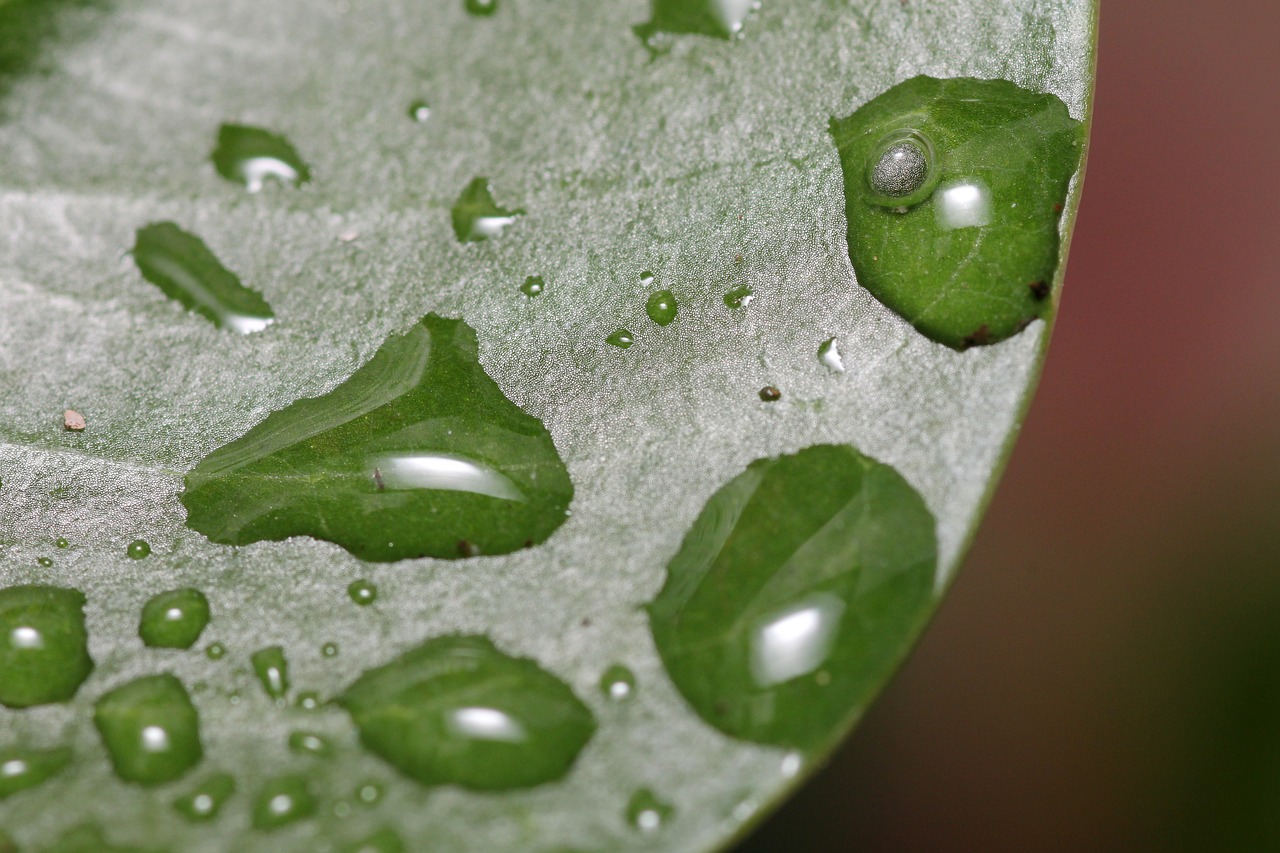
(953, 194)
(44, 652)
(795, 594)
(22, 768)
(481, 8)
(182, 266)
(417, 452)
(646, 812)
(283, 801)
(272, 669)
(207, 798)
(661, 307)
(150, 729)
(253, 156)
(174, 619)
(456, 710)
(476, 216)
(718, 18)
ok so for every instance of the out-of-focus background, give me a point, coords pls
(1105, 673)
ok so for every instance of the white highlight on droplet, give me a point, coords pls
(963, 204)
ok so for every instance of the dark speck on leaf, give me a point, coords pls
(1039, 289)
(770, 394)
(978, 337)
(467, 549)
(377, 480)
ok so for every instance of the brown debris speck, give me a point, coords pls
(978, 337)
(73, 421)
(377, 480)
(467, 549)
(1039, 290)
(770, 394)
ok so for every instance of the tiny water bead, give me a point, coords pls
(418, 451)
(207, 798)
(44, 649)
(618, 683)
(481, 8)
(308, 700)
(62, 543)
(310, 743)
(139, 549)
(22, 768)
(646, 812)
(185, 270)
(716, 18)
(420, 111)
(272, 670)
(384, 840)
(215, 651)
(252, 156)
(150, 729)
(533, 286)
(282, 801)
(329, 650)
(829, 355)
(369, 793)
(476, 216)
(456, 710)
(953, 194)
(622, 339)
(661, 307)
(739, 297)
(174, 619)
(362, 592)
(45, 562)
(797, 591)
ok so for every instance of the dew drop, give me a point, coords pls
(481, 8)
(829, 355)
(739, 298)
(329, 650)
(384, 840)
(283, 801)
(420, 111)
(215, 651)
(150, 729)
(308, 700)
(661, 307)
(476, 216)
(252, 156)
(138, 549)
(44, 653)
(717, 18)
(622, 339)
(272, 669)
(45, 562)
(174, 619)
(310, 743)
(618, 683)
(362, 592)
(369, 793)
(533, 286)
(62, 543)
(646, 812)
(206, 799)
(22, 768)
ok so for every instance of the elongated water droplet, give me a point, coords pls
(646, 812)
(418, 451)
(44, 652)
(618, 683)
(420, 111)
(150, 729)
(181, 265)
(283, 801)
(622, 339)
(476, 216)
(272, 669)
(481, 8)
(794, 595)
(207, 798)
(253, 156)
(174, 619)
(739, 297)
(829, 355)
(717, 18)
(953, 193)
(385, 840)
(661, 307)
(533, 286)
(362, 592)
(22, 768)
(310, 743)
(456, 710)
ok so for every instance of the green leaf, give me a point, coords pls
(789, 404)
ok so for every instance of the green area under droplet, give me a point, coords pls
(282, 801)
(150, 729)
(661, 307)
(456, 710)
(22, 768)
(476, 216)
(416, 454)
(794, 595)
(44, 652)
(174, 619)
(253, 156)
(971, 262)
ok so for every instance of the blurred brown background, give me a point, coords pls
(1105, 673)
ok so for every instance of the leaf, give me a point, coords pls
(695, 165)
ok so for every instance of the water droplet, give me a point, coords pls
(420, 111)
(150, 729)
(44, 654)
(829, 355)
(953, 194)
(272, 669)
(716, 18)
(622, 339)
(181, 265)
(174, 619)
(253, 156)
(45, 562)
(384, 840)
(739, 297)
(329, 650)
(308, 700)
(482, 8)
(456, 710)
(796, 592)
(769, 394)
(22, 768)
(369, 793)
(476, 216)
(533, 286)
(661, 307)
(138, 549)
(207, 798)
(283, 801)
(88, 838)
(417, 451)
(62, 543)
(215, 651)
(646, 812)
(310, 743)
(362, 592)
(618, 683)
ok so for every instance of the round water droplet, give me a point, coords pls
(308, 700)
(739, 298)
(138, 549)
(22, 768)
(661, 307)
(44, 653)
(272, 669)
(329, 650)
(215, 651)
(150, 729)
(618, 683)
(900, 170)
(206, 799)
(646, 812)
(420, 111)
(62, 543)
(283, 801)
(174, 619)
(46, 562)
(622, 339)
(533, 286)
(369, 793)
(363, 592)
(310, 743)
(482, 8)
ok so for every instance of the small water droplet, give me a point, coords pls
(150, 729)
(384, 840)
(769, 394)
(283, 801)
(206, 799)
(369, 793)
(363, 592)
(739, 297)
(533, 286)
(618, 683)
(272, 669)
(253, 156)
(829, 355)
(174, 619)
(661, 307)
(46, 562)
(215, 651)
(44, 653)
(62, 543)
(717, 18)
(22, 768)
(481, 8)
(138, 549)
(329, 650)
(310, 743)
(622, 339)
(476, 216)
(420, 111)
(646, 812)
(308, 700)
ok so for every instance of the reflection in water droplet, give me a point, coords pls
(283, 801)
(661, 307)
(476, 216)
(150, 729)
(829, 355)
(174, 619)
(272, 669)
(739, 298)
(646, 812)
(362, 592)
(307, 700)
(22, 768)
(253, 156)
(44, 653)
(482, 8)
(717, 18)
(618, 683)
(181, 265)
(420, 111)
(963, 204)
(533, 286)
(310, 743)
(622, 339)
(443, 472)
(206, 799)
(456, 710)
(794, 595)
